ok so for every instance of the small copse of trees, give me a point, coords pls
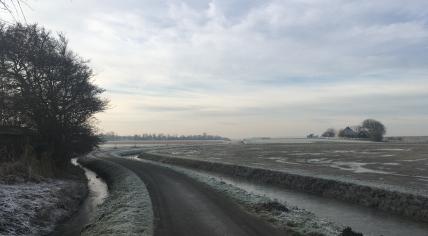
(375, 129)
(369, 129)
(47, 88)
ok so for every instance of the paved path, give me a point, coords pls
(183, 206)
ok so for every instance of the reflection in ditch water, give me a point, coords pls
(98, 191)
(369, 221)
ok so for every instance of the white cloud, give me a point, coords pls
(193, 66)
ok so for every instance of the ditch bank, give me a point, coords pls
(36, 208)
(95, 197)
(399, 203)
(127, 210)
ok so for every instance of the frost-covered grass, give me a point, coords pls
(128, 209)
(390, 200)
(127, 152)
(359, 163)
(294, 220)
(35, 208)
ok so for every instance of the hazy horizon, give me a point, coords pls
(250, 68)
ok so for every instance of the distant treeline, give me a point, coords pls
(111, 136)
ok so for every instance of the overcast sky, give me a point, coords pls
(242, 68)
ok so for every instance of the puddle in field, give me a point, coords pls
(287, 162)
(356, 167)
(392, 149)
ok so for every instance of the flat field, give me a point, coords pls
(395, 166)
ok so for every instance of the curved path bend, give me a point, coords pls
(184, 207)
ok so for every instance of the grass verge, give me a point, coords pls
(399, 203)
(128, 209)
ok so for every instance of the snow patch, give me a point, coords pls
(393, 149)
(287, 162)
(356, 167)
(306, 154)
(391, 163)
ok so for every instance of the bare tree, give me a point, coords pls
(48, 89)
(14, 8)
(329, 133)
(375, 129)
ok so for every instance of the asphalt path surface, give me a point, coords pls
(183, 206)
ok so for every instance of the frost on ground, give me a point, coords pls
(355, 173)
(360, 163)
(35, 208)
(128, 209)
(291, 218)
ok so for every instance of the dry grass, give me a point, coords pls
(28, 167)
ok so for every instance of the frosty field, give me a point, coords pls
(393, 166)
(331, 180)
(388, 177)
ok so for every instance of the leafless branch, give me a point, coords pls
(14, 8)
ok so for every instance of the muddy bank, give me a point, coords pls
(127, 210)
(400, 203)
